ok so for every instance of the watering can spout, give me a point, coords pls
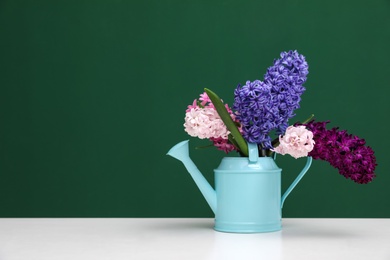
(181, 152)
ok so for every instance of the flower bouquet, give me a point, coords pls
(247, 197)
(260, 114)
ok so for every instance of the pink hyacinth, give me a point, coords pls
(223, 144)
(297, 142)
(194, 105)
(205, 99)
(205, 123)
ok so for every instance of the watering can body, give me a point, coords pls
(247, 196)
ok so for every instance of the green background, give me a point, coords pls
(93, 95)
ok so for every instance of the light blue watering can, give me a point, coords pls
(247, 196)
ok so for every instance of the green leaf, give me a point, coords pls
(228, 121)
(231, 139)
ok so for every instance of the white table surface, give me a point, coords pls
(190, 238)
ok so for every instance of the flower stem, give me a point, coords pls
(228, 121)
(205, 146)
(307, 120)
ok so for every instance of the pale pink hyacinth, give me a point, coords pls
(205, 123)
(297, 142)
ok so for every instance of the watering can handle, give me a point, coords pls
(297, 179)
(253, 157)
(253, 151)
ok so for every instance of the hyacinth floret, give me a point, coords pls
(264, 106)
(345, 152)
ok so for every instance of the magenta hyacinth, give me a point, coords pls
(345, 152)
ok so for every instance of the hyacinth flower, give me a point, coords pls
(297, 141)
(265, 106)
(203, 121)
(345, 152)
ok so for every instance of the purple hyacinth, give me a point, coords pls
(263, 106)
(345, 152)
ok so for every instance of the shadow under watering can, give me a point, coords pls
(247, 196)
